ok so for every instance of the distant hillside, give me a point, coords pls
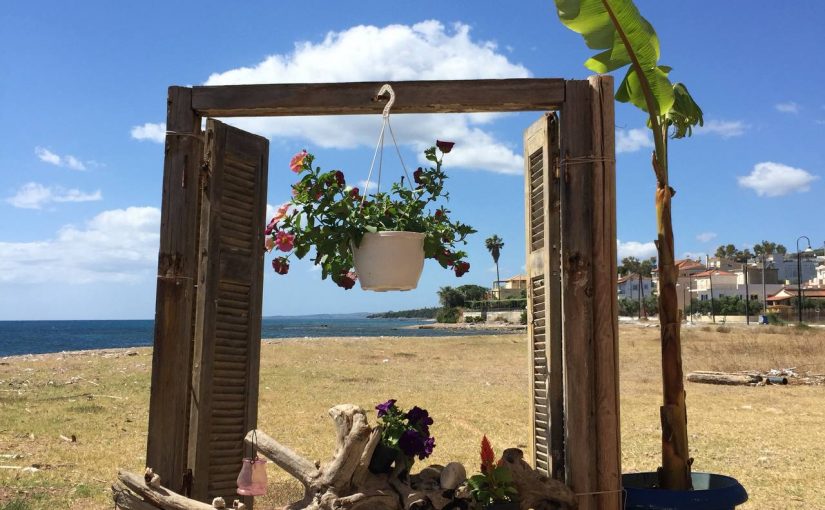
(417, 313)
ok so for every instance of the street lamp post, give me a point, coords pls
(799, 272)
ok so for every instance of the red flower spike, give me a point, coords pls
(461, 267)
(339, 177)
(354, 193)
(444, 147)
(488, 456)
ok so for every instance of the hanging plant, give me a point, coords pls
(332, 221)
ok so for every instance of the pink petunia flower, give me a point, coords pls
(284, 241)
(279, 215)
(269, 244)
(296, 164)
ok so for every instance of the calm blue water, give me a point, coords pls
(34, 337)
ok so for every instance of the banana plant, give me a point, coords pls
(626, 39)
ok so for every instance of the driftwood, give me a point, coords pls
(535, 490)
(723, 378)
(346, 483)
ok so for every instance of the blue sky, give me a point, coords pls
(83, 98)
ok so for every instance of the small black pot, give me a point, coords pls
(710, 492)
(503, 505)
(382, 459)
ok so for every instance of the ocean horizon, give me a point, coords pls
(48, 336)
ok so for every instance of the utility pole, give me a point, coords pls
(690, 295)
(710, 278)
(764, 292)
(747, 296)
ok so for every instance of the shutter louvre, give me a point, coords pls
(228, 319)
(544, 294)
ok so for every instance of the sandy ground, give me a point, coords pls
(771, 438)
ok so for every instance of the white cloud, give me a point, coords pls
(632, 140)
(68, 160)
(723, 128)
(152, 131)
(706, 236)
(635, 249)
(770, 179)
(119, 245)
(367, 186)
(33, 195)
(788, 107)
(424, 51)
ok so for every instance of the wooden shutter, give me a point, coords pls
(228, 317)
(544, 295)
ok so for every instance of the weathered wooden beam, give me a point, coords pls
(443, 96)
(589, 297)
(605, 300)
(174, 309)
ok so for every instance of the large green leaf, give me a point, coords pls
(627, 38)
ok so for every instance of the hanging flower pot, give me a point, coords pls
(252, 479)
(388, 260)
(386, 233)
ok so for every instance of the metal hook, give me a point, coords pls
(387, 88)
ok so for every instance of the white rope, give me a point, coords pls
(379, 147)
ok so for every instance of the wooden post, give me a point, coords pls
(174, 311)
(588, 212)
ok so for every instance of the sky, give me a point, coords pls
(83, 94)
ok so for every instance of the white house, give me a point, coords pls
(730, 284)
(786, 266)
(628, 286)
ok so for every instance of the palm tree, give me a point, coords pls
(494, 245)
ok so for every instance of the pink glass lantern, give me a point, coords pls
(252, 480)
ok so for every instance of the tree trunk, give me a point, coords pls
(675, 471)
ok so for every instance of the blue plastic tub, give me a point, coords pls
(710, 492)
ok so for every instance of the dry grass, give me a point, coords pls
(771, 438)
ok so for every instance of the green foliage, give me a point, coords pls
(628, 39)
(628, 307)
(523, 317)
(450, 297)
(15, 504)
(632, 265)
(415, 313)
(448, 315)
(494, 244)
(328, 216)
(725, 305)
(473, 292)
(495, 486)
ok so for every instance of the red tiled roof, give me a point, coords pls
(713, 272)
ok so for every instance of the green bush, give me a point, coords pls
(448, 315)
(523, 318)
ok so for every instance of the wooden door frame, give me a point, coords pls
(589, 336)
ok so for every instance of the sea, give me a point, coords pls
(37, 337)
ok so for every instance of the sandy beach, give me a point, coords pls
(771, 438)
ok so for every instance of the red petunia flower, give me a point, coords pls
(444, 147)
(280, 265)
(339, 177)
(461, 267)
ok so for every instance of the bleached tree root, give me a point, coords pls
(346, 483)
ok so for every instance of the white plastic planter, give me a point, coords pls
(389, 260)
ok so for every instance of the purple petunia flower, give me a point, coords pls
(384, 408)
(420, 419)
(411, 443)
(429, 445)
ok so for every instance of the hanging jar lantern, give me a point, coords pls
(252, 478)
